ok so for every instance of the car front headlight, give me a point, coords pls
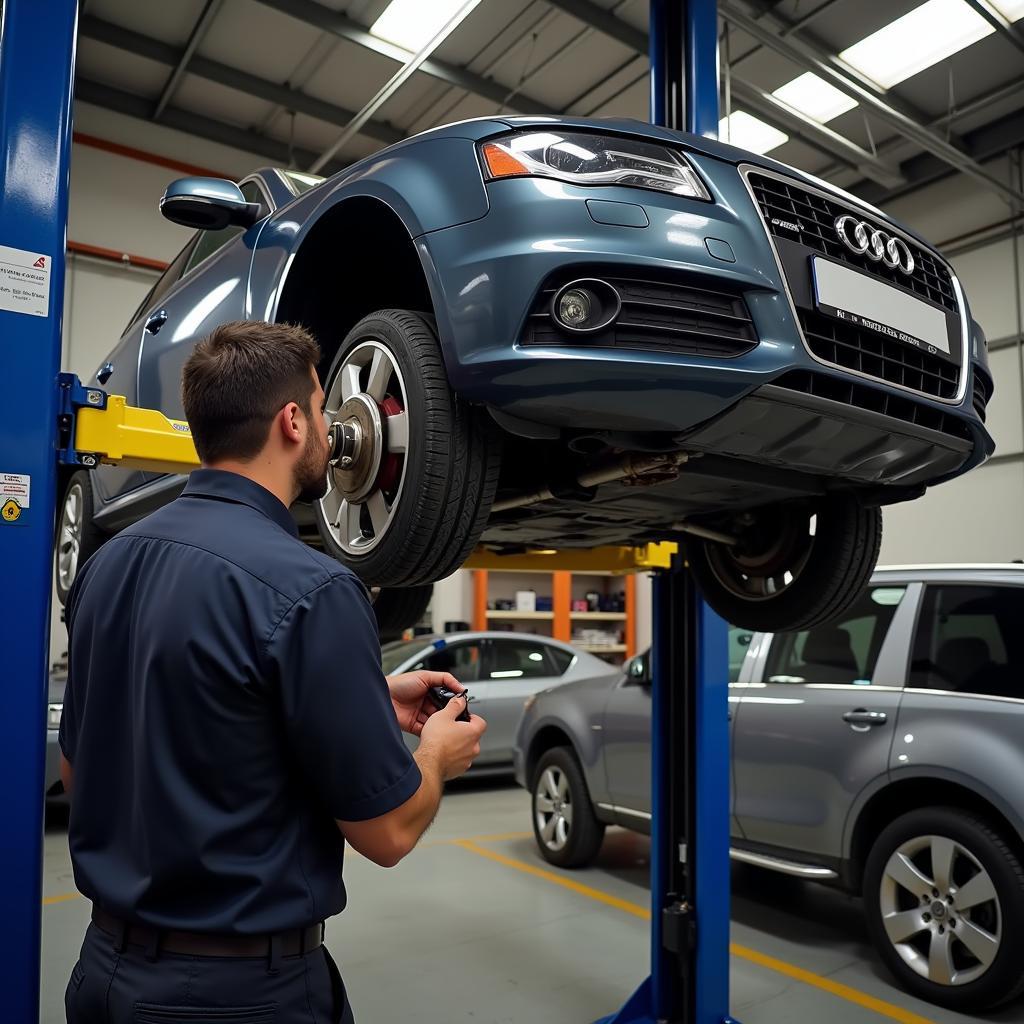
(54, 711)
(586, 158)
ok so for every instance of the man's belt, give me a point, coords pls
(291, 943)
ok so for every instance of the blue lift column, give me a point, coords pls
(690, 784)
(37, 51)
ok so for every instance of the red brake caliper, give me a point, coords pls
(391, 464)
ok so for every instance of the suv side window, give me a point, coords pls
(164, 282)
(519, 659)
(840, 652)
(211, 241)
(965, 640)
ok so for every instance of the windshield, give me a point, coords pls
(300, 182)
(398, 651)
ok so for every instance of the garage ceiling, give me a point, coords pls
(282, 78)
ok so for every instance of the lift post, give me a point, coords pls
(690, 785)
(37, 57)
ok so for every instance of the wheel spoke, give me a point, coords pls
(551, 784)
(545, 804)
(977, 891)
(380, 374)
(567, 813)
(561, 831)
(943, 855)
(563, 786)
(903, 872)
(379, 512)
(350, 381)
(904, 924)
(548, 831)
(940, 959)
(981, 943)
(398, 432)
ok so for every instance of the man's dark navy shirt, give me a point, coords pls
(225, 704)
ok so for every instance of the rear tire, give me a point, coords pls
(399, 609)
(779, 576)
(78, 537)
(567, 831)
(416, 498)
(986, 889)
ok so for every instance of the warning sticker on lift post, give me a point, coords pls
(15, 492)
(24, 281)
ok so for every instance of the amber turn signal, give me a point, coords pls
(501, 163)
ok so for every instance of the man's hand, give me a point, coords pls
(451, 744)
(409, 696)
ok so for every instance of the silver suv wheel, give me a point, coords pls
(553, 808)
(940, 910)
(69, 536)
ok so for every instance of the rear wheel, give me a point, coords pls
(78, 537)
(944, 896)
(398, 609)
(410, 490)
(788, 567)
(567, 831)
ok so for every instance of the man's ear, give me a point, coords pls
(291, 423)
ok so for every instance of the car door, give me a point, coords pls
(627, 729)
(212, 290)
(119, 374)
(818, 726)
(513, 668)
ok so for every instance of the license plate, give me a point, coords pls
(867, 302)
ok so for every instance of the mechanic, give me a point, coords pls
(227, 726)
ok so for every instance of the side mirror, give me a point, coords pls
(207, 204)
(637, 670)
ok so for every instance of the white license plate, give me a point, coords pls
(867, 302)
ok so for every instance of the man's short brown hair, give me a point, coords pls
(238, 378)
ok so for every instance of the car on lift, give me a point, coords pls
(880, 753)
(546, 332)
(500, 670)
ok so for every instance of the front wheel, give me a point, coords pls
(788, 568)
(567, 831)
(78, 536)
(944, 896)
(411, 483)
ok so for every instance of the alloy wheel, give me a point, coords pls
(553, 808)
(367, 404)
(69, 537)
(940, 910)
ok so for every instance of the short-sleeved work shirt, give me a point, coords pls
(225, 704)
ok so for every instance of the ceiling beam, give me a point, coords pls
(1005, 28)
(277, 153)
(804, 53)
(327, 20)
(199, 30)
(213, 71)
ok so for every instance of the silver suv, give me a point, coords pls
(883, 753)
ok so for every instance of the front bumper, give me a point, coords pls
(489, 272)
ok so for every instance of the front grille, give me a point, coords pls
(855, 348)
(981, 394)
(864, 396)
(816, 215)
(662, 314)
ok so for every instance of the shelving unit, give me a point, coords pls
(561, 622)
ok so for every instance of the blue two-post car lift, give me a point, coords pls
(689, 981)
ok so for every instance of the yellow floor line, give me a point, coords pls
(62, 898)
(852, 995)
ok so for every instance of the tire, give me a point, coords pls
(405, 517)
(78, 538)
(984, 860)
(558, 772)
(399, 609)
(779, 576)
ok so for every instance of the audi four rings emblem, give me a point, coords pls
(861, 237)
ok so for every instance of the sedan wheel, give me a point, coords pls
(567, 831)
(553, 809)
(944, 892)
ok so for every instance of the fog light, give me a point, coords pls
(574, 307)
(585, 306)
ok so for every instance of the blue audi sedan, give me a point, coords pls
(548, 332)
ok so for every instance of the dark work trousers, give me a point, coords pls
(111, 987)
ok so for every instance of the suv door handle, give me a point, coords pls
(104, 372)
(864, 717)
(155, 321)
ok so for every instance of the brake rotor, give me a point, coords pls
(356, 460)
(391, 463)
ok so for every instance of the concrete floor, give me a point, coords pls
(475, 927)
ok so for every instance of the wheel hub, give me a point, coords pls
(357, 443)
(939, 910)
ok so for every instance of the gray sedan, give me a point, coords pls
(501, 670)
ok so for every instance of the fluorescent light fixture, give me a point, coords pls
(815, 98)
(746, 131)
(929, 33)
(411, 24)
